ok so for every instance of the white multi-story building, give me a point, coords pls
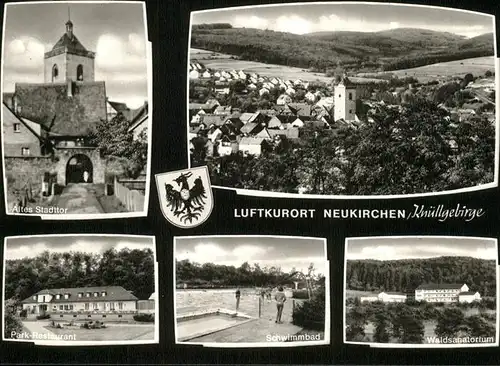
(385, 297)
(445, 293)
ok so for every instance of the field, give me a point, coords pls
(219, 61)
(475, 66)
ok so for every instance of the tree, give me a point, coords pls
(356, 321)
(382, 324)
(198, 151)
(449, 322)
(479, 327)
(12, 325)
(113, 140)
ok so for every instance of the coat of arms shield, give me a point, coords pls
(186, 198)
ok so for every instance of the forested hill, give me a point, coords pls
(406, 275)
(356, 51)
(131, 269)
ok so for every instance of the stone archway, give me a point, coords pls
(87, 159)
(79, 169)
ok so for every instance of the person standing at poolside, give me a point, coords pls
(238, 295)
(280, 298)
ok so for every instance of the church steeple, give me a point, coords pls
(69, 26)
(68, 60)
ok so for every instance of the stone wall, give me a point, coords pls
(20, 171)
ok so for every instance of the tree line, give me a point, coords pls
(406, 275)
(403, 323)
(217, 275)
(353, 52)
(131, 269)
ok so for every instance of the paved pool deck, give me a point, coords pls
(257, 330)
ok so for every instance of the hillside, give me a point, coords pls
(357, 51)
(406, 275)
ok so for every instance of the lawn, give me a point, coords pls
(113, 332)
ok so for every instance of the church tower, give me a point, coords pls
(345, 100)
(68, 60)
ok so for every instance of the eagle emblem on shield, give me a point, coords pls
(185, 196)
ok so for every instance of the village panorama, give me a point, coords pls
(280, 112)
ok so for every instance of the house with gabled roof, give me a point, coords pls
(223, 110)
(213, 120)
(139, 121)
(385, 296)
(22, 137)
(228, 144)
(252, 146)
(100, 299)
(264, 134)
(251, 128)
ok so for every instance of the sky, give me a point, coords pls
(18, 248)
(116, 32)
(423, 247)
(308, 18)
(266, 251)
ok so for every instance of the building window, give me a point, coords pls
(71, 307)
(103, 293)
(61, 307)
(55, 72)
(24, 152)
(112, 306)
(350, 110)
(87, 306)
(34, 297)
(79, 73)
(66, 296)
(95, 306)
(43, 298)
(58, 297)
(66, 307)
(96, 294)
(79, 294)
(87, 294)
(340, 95)
(17, 127)
(120, 306)
(350, 96)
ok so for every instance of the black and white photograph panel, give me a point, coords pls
(68, 290)
(254, 291)
(343, 99)
(421, 291)
(76, 91)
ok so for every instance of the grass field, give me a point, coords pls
(475, 66)
(113, 332)
(219, 61)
